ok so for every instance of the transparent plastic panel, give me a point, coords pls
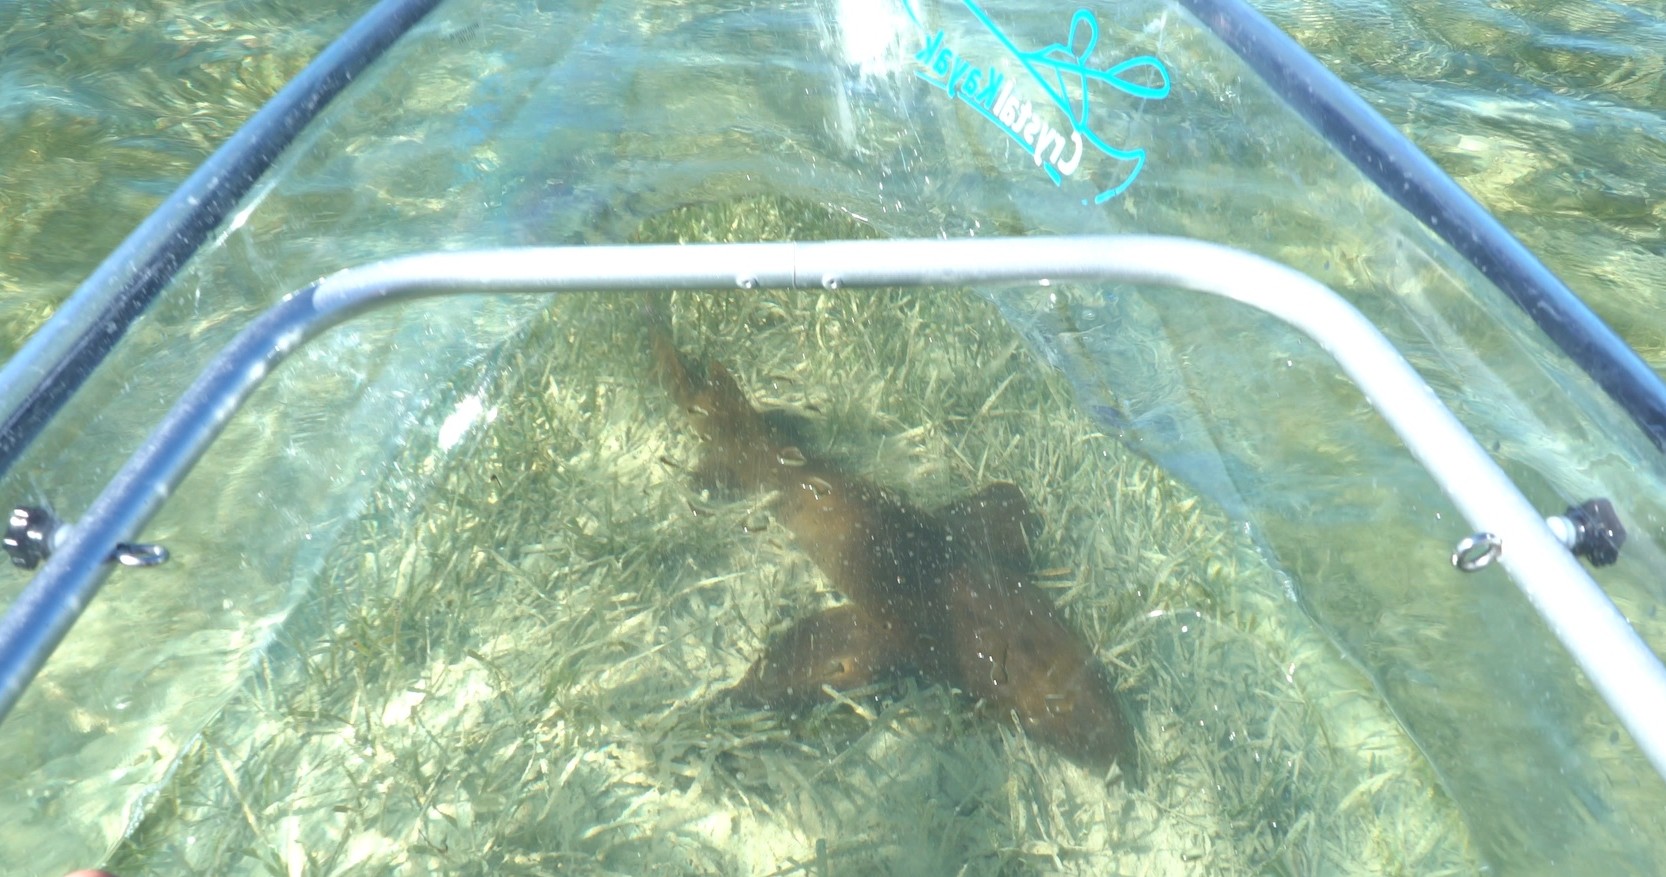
(446, 596)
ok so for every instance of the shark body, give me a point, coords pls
(944, 594)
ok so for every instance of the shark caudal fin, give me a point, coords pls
(744, 449)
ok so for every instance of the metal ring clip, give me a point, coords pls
(1477, 551)
(144, 554)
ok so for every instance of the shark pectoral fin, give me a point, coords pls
(842, 648)
(997, 521)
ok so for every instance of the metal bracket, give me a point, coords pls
(32, 533)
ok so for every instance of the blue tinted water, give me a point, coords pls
(1550, 113)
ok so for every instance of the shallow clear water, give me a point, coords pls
(1549, 113)
(437, 560)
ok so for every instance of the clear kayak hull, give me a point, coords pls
(442, 593)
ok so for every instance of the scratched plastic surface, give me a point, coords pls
(539, 123)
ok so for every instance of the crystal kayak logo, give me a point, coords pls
(1067, 79)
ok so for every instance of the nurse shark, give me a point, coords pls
(945, 595)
